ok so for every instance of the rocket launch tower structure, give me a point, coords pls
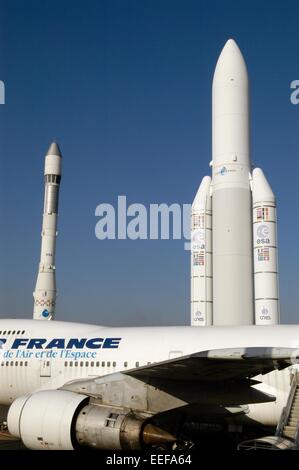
(45, 289)
(234, 268)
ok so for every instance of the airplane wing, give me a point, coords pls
(219, 365)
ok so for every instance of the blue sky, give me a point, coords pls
(125, 87)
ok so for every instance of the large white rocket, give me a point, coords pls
(45, 289)
(234, 273)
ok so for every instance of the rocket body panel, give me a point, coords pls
(265, 251)
(232, 257)
(51, 199)
(45, 289)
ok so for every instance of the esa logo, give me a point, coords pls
(198, 239)
(263, 233)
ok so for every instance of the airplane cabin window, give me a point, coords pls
(21, 363)
(81, 364)
(103, 364)
(23, 332)
(114, 364)
(97, 364)
(108, 364)
(26, 364)
(137, 364)
(65, 364)
(76, 364)
(86, 364)
(92, 364)
(71, 363)
(125, 364)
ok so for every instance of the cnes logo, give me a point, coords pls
(295, 94)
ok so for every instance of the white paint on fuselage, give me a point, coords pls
(138, 346)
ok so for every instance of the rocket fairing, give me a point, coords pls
(45, 289)
(234, 275)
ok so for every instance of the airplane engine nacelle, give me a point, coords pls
(63, 420)
(46, 419)
(102, 427)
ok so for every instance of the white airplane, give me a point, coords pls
(70, 385)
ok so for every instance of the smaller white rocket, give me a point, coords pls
(234, 268)
(45, 289)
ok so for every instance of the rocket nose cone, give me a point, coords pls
(232, 45)
(231, 64)
(54, 150)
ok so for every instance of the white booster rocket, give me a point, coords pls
(45, 289)
(234, 273)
